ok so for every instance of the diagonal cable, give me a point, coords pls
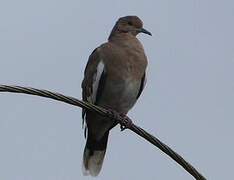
(124, 122)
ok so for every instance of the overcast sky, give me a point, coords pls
(188, 102)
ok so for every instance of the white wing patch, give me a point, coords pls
(96, 80)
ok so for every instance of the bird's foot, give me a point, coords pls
(125, 122)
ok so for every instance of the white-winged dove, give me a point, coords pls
(114, 78)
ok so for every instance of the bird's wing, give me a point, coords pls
(143, 82)
(94, 80)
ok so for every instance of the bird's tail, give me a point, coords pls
(94, 154)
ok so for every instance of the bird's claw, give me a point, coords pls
(125, 122)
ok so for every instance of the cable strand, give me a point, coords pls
(122, 121)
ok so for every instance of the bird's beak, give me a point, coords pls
(142, 30)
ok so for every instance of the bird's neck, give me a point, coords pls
(126, 40)
(117, 36)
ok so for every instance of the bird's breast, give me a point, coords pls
(120, 95)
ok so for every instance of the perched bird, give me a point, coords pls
(114, 78)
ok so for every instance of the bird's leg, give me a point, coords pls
(125, 122)
(113, 114)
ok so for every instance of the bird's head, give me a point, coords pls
(129, 24)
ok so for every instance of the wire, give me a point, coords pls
(124, 121)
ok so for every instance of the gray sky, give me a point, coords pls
(188, 101)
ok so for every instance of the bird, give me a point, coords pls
(114, 78)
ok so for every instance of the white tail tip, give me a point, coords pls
(92, 163)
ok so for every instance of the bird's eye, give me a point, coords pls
(130, 23)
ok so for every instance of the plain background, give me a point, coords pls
(188, 101)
